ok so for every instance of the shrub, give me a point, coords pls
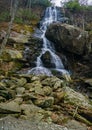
(4, 16)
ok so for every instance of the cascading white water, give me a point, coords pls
(50, 17)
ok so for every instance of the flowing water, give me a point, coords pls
(51, 15)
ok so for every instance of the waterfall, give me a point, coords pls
(51, 15)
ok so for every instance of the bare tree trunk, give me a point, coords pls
(10, 25)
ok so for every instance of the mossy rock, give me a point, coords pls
(9, 55)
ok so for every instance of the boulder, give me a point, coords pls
(46, 59)
(12, 123)
(88, 81)
(53, 82)
(20, 91)
(76, 98)
(9, 108)
(9, 55)
(77, 105)
(44, 102)
(68, 37)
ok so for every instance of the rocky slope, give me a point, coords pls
(43, 99)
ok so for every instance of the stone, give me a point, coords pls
(35, 78)
(9, 108)
(29, 96)
(32, 112)
(2, 99)
(19, 37)
(2, 86)
(51, 81)
(68, 37)
(76, 98)
(5, 94)
(46, 59)
(20, 91)
(88, 81)
(28, 86)
(18, 100)
(35, 84)
(12, 123)
(44, 102)
(39, 90)
(74, 125)
(9, 55)
(21, 82)
(58, 84)
(47, 90)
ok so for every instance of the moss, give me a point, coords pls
(5, 56)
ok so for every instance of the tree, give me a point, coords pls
(14, 4)
(73, 5)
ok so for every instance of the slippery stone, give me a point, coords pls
(46, 59)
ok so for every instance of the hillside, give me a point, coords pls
(45, 66)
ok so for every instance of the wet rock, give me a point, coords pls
(32, 50)
(46, 59)
(68, 37)
(40, 71)
(9, 108)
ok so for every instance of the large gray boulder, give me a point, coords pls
(68, 37)
(10, 123)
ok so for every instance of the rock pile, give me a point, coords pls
(43, 98)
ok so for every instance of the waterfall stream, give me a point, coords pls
(51, 15)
